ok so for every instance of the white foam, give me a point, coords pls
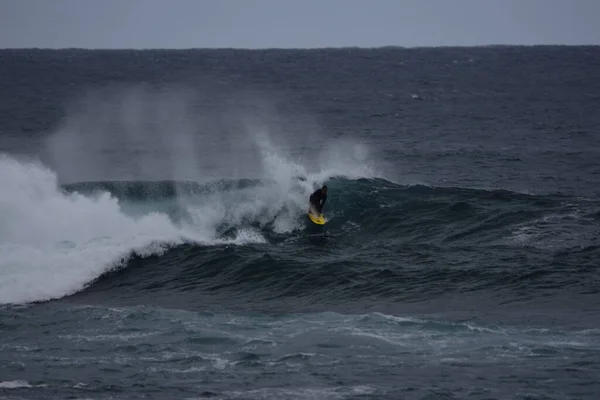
(281, 199)
(53, 244)
(14, 384)
(337, 392)
(108, 337)
(556, 231)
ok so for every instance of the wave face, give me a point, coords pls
(243, 243)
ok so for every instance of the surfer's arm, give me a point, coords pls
(323, 200)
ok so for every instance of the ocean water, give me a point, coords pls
(154, 240)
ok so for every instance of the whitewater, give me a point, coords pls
(55, 242)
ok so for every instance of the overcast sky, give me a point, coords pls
(295, 23)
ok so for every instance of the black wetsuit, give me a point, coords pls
(317, 199)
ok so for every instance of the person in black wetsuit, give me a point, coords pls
(318, 199)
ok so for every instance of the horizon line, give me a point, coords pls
(296, 48)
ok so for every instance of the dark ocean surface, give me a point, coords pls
(154, 241)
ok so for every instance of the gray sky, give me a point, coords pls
(295, 23)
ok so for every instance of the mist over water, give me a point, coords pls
(138, 135)
(142, 134)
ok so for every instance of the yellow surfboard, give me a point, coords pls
(317, 219)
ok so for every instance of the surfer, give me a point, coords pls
(318, 198)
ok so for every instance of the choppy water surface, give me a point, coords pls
(154, 242)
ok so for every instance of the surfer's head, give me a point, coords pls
(324, 189)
